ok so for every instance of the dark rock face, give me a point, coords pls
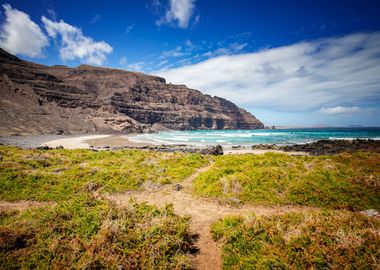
(329, 147)
(214, 150)
(41, 99)
(326, 147)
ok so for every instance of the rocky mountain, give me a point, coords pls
(37, 99)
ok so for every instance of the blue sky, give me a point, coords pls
(298, 63)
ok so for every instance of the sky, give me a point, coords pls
(290, 63)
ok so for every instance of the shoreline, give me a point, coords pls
(102, 142)
(117, 141)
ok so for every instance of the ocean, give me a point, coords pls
(251, 137)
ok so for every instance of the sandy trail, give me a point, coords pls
(203, 213)
(22, 205)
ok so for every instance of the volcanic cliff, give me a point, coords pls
(38, 99)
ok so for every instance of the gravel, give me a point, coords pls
(32, 141)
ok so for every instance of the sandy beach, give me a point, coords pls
(74, 143)
(115, 141)
(94, 141)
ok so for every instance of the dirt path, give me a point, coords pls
(22, 205)
(203, 213)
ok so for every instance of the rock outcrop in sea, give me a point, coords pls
(38, 99)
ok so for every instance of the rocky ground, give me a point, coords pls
(326, 147)
(31, 141)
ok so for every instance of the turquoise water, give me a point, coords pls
(250, 137)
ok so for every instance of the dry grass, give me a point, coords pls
(314, 240)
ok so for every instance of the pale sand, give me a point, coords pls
(74, 143)
(115, 141)
(102, 141)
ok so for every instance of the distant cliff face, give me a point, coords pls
(41, 99)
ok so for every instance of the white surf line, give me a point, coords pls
(74, 143)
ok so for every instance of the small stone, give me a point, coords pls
(177, 187)
(92, 187)
(43, 147)
(370, 213)
(215, 150)
(235, 200)
(151, 186)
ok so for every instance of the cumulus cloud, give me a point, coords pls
(179, 13)
(74, 45)
(305, 76)
(20, 35)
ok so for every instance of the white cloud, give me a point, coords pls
(20, 35)
(348, 110)
(123, 61)
(179, 13)
(304, 76)
(52, 13)
(137, 66)
(232, 48)
(95, 19)
(129, 28)
(74, 45)
(164, 62)
(196, 20)
(177, 52)
(341, 110)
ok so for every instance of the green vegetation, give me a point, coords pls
(61, 174)
(314, 240)
(88, 234)
(80, 229)
(344, 181)
(84, 231)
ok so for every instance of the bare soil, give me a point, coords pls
(22, 205)
(203, 213)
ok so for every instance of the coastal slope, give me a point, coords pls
(38, 99)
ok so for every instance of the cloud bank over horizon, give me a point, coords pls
(320, 75)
